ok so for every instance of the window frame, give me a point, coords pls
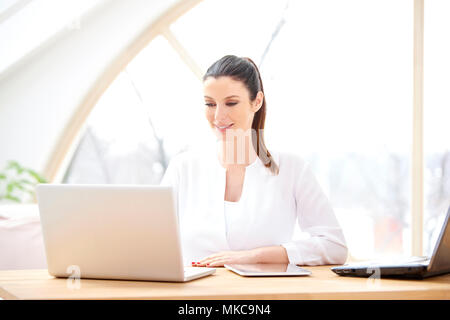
(58, 161)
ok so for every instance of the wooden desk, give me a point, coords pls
(224, 284)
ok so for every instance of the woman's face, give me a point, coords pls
(228, 105)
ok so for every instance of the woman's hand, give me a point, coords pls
(227, 257)
(272, 254)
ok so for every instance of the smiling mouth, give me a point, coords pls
(224, 127)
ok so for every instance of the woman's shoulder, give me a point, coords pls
(294, 165)
(189, 158)
(289, 159)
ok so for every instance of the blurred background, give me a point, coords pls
(108, 91)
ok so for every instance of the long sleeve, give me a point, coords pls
(315, 216)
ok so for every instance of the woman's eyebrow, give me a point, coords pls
(232, 96)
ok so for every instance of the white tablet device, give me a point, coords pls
(267, 270)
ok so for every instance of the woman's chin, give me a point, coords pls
(219, 134)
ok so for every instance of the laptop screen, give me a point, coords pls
(440, 260)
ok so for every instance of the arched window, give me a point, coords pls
(338, 80)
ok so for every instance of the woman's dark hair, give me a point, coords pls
(245, 70)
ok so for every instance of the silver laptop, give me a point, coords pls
(413, 267)
(113, 232)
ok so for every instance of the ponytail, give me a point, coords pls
(258, 130)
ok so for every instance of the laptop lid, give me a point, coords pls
(440, 260)
(111, 231)
(411, 267)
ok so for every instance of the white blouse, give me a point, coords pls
(265, 215)
(232, 214)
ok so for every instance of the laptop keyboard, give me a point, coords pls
(394, 261)
(415, 260)
(188, 271)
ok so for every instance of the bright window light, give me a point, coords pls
(152, 110)
(338, 81)
(436, 116)
(339, 87)
(215, 28)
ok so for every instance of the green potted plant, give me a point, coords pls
(17, 183)
(21, 243)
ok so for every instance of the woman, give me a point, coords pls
(240, 203)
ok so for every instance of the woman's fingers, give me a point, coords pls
(210, 262)
(213, 260)
(221, 258)
(213, 257)
(217, 263)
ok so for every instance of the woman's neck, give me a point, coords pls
(236, 155)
